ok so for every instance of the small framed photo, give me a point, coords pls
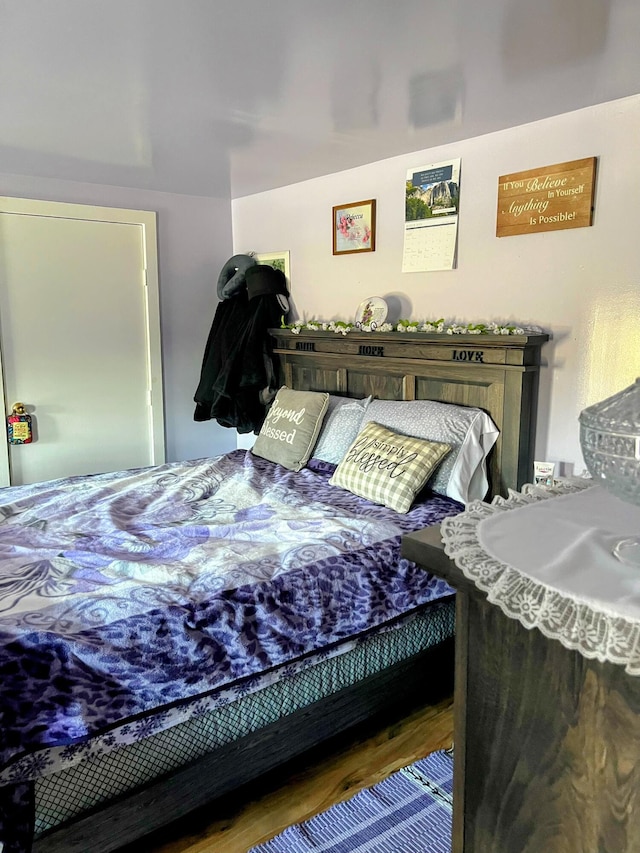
(354, 227)
(278, 260)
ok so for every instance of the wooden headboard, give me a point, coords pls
(493, 372)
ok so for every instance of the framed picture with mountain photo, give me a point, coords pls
(354, 227)
(277, 260)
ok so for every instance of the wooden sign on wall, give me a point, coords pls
(546, 199)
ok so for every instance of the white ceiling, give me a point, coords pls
(231, 97)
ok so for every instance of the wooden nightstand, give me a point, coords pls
(547, 742)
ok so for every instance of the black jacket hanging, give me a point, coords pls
(239, 375)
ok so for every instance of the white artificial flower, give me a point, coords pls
(410, 326)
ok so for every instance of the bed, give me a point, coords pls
(171, 633)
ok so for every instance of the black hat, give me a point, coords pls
(263, 280)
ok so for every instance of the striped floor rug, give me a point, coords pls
(409, 812)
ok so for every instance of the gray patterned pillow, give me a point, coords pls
(340, 427)
(291, 427)
(388, 468)
(469, 430)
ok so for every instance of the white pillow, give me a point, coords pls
(469, 430)
(340, 427)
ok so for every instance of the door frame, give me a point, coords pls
(146, 220)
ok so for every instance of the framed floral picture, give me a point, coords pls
(354, 227)
(279, 260)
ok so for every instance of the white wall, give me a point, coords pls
(194, 241)
(581, 285)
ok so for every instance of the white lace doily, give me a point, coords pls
(605, 627)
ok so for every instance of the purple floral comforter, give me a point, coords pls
(126, 594)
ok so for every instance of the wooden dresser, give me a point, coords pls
(547, 742)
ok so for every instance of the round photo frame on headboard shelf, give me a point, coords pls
(372, 312)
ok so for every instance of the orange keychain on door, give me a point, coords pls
(19, 425)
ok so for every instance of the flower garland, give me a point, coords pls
(433, 326)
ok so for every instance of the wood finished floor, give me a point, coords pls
(304, 788)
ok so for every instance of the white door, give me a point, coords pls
(79, 338)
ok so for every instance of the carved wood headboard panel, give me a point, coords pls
(493, 372)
